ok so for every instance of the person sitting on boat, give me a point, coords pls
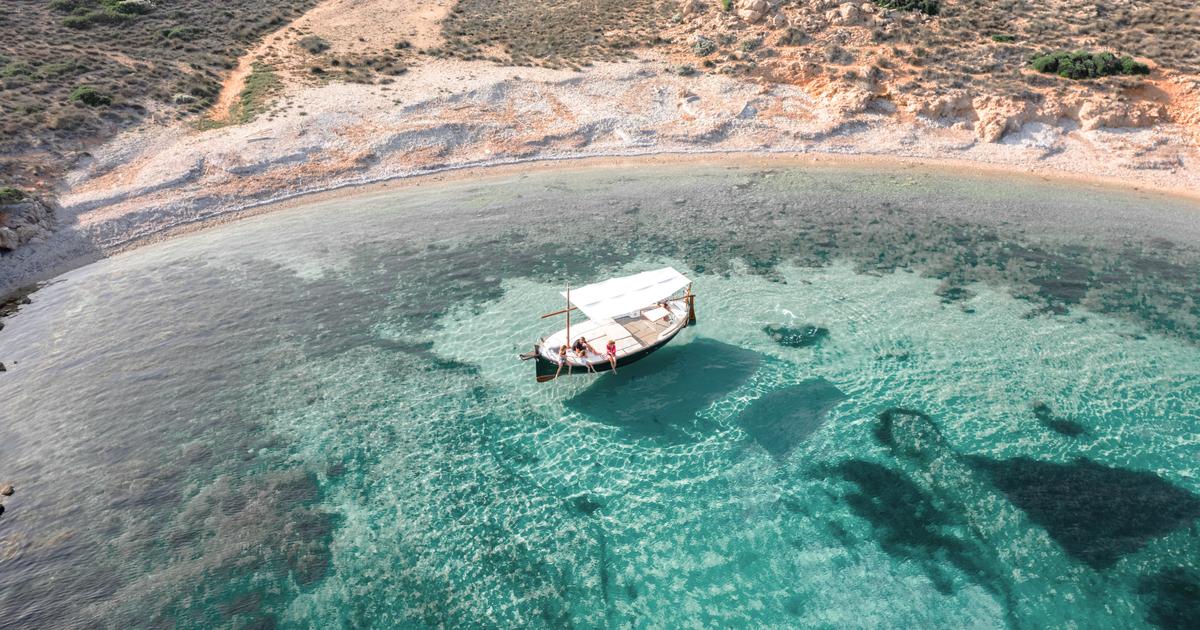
(610, 351)
(582, 348)
(563, 356)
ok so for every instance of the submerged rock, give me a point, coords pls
(797, 337)
(585, 504)
(1045, 415)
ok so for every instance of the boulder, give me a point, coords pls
(779, 21)
(753, 10)
(692, 7)
(847, 14)
(6, 490)
(999, 115)
(8, 239)
(24, 221)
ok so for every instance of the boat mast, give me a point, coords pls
(568, 313)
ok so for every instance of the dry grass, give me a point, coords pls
(553, 33)
(171, 61)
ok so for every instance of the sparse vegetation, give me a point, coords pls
(928, 7)
(1086, 65)
(260, 85)
(1004, 38)
(794, 37)
(8, 195)
(552, 33)
(313, 45)
(90, 96)
(704, 46)
(131, 53)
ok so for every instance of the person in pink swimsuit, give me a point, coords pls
(610, 351)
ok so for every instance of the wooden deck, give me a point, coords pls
(646, 332)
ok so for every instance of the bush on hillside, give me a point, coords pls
(185, 33)
(1086, 65)
(313, 45)
(8, 195)
(83, 20)
(928, 7)
(90, 96)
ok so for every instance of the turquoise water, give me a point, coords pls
(912, 400)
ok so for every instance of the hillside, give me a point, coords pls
(74, 72)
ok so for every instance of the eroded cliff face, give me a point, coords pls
(947, 68)
(29, 220)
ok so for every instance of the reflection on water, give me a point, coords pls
(279, 424)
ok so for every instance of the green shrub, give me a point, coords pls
(1004, 39)
(16, 69)
(313, 45)
(62, 68)
(928, 7)
(1129, 66)
(185, 33)
(704, 46)
(8, 194)
(90, 96)
(727, 5)
(67, 6)
(260, 85)
(87, 19)
(1081, 64)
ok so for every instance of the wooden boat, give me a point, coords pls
(641, 313)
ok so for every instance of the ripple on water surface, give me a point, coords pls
(910, 401)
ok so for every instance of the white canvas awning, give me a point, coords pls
(618, 296)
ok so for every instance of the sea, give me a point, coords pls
(913, 398)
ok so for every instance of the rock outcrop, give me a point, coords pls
(753, 11)
(24, 221)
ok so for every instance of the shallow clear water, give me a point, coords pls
(911, 401)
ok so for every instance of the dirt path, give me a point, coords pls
(348, 27)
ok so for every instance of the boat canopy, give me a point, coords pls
(618, 296)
